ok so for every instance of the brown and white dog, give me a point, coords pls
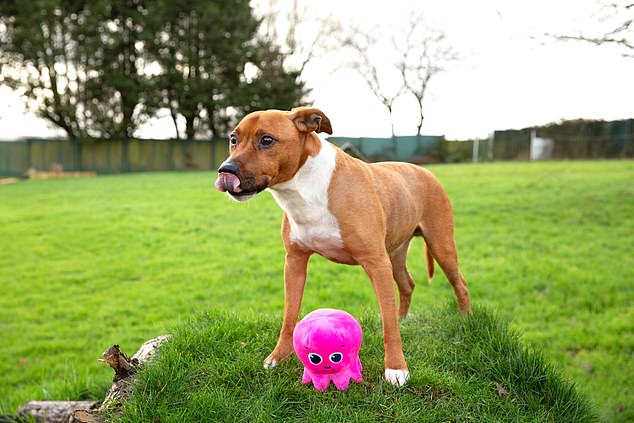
(344, 209)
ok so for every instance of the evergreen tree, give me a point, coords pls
(39, 57)
(116, 83)
(99, 68)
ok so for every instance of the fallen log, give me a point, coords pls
(53, 411)
(57, 174)
(125, 370)
(93, 411)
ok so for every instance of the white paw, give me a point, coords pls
(269, 364)
(409, 316)
(396, 377)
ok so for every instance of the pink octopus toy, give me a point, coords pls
(327, 342)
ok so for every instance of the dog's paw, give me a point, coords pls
(269, 364)
(396, 377)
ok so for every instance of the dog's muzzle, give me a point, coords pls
(228, 178)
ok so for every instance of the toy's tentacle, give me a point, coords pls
(307, 377)
(341, 379)
(321, 382)
(355, 370)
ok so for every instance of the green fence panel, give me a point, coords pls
(14, 158)
(571, 140)
(462, 151)
(199, 156)
(417, 149)
(179, 154)
(112, 156)
(137, 156)
(116, 157)
(38, 154)
(219, 153)
(103, 159)
(512, 144)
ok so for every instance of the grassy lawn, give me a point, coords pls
(87, 263)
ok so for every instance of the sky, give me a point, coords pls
(508, 75)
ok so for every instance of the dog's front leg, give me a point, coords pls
(379, 269)
(294, 281)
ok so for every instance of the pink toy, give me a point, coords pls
(327, 342)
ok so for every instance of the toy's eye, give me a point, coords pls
(336, 357)
(314, 358)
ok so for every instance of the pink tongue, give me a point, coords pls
(228, 182)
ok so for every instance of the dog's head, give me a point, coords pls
(269, 147)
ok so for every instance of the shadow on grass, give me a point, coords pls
(463, 369)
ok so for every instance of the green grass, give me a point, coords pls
(87, 263)
(214, 369)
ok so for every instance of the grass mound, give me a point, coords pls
(462, 369)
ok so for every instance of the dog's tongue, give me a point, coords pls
(228, 182)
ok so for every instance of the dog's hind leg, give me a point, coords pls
(437, 228)
(402, 277)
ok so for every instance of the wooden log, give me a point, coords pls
(120, 363)
(7, 181)
(83, 416)
(53, 411)
(125, 370)
(38, 174)
(93, 411)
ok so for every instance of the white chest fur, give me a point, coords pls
(305, 201)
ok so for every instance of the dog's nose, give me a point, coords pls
(229, 167)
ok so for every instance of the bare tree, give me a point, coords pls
(373, 70)
(305, 34)
(415, 56)
(618, 28)
(424, 52)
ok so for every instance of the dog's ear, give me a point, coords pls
(308, 119)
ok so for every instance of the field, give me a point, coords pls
(87, 263)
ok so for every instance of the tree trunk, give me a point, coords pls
(190, 130)
(174, 115)
(422, 117)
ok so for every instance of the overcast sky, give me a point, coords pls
(509, 75)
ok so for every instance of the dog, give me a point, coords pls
(346, 210)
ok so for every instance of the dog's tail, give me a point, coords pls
(430, 263)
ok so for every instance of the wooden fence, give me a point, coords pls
(120, 156)
(111, 156)
(569, 140)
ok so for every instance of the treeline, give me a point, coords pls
(100, 68)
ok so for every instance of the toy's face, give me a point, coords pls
(327, 341)
(325, 358)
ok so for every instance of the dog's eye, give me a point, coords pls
(233, 140)
(314, 358)
(266, 141)
(336, 357)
